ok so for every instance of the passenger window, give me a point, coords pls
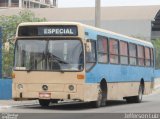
(140, 55)
(113, 49)
(123, 52)
(132, 54)
(91, 56)
(151, 50)
(102, 49)
(147, 57)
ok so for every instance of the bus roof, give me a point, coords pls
(87, 26)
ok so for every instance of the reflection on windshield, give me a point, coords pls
(58, 55)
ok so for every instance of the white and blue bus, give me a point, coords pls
(72, 61)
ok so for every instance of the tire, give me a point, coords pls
(138, 98)
(44, 103)
(101, 100)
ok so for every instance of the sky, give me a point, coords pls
(91, 3)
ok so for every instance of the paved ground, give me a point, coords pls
(31, 109)
(151, 103)
(11, 104)
(156, 83)
(16, 103)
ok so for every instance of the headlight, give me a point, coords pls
(20, 86)
(71, 87)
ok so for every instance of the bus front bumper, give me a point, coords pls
(81, 92)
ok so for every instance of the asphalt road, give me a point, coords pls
(150, 104)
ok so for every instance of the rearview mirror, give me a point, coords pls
(88, 46)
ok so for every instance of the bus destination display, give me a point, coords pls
(48, 31)
(57, 31)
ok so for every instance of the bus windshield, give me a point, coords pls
(53, 55)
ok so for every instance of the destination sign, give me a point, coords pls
(58, 31)
(48, 30)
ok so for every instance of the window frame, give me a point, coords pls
(149, 57)
(100, 37)
(94, 63)
(139, 58)
(114, 54)
(152, 57)
(127, 56)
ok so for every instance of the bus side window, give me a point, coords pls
(91, 56)
(140, 55)
(102, 44)
(147, 57)
(113, 50)
(151, 51)
(132, 54)
(123, 52)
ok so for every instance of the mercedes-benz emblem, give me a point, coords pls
(45, 87)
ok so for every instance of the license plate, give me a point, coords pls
(45, 95)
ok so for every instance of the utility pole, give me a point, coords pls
(20, 3)
(29, 4)
(9, 3)
(98, 13)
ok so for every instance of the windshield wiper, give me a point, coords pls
(55, 58)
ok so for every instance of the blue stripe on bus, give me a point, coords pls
(119, 73)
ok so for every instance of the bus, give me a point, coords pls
(58, 61)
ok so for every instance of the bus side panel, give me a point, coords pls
(122, 81)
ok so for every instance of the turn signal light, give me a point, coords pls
(80, 76)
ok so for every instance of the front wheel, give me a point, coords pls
(101, 100)
(44, 103)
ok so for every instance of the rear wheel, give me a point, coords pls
(44, 103)
(138, 98)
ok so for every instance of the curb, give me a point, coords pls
(6, 106)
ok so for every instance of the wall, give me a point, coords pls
(157, 79)
(5, 89)
(135, 28)
(155, 34)
(5, 84)
(0, 53)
